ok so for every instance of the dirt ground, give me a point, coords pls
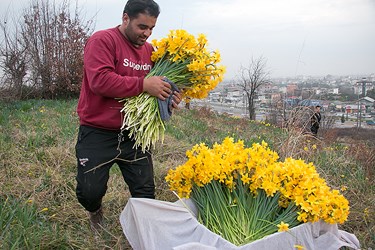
(353, 134)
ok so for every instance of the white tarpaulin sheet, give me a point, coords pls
(152, 224)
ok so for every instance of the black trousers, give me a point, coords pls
(314, 130)
(96, 151)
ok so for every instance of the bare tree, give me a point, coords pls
(48, 44)
(13, 61)
(250, 79)
(278, 111)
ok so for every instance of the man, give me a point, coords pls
(315, 120)
(116, 62)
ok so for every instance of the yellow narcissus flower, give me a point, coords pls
(238, 172)
(283, 227)
(184, 60)
(258, 166)
(299, 247)
(201, 72)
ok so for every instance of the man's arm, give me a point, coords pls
(103, 80)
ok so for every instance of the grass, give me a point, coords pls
(39, 209)
(19, 218)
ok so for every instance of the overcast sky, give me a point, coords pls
(297, 37)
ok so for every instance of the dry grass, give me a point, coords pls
(37, 162)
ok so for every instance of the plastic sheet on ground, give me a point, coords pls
(153, 224)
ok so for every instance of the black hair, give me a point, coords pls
(135, 7)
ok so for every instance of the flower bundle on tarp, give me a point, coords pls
(244, 194)
(186, 61)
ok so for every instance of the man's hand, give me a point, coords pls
(155, 86)
(176, 99)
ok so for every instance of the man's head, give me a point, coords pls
(317, 108)
(138, 20)
(135, 7)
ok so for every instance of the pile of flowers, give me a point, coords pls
(244, 194)
(186, 61)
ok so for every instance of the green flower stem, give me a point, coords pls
(145, 131)
(239, 216)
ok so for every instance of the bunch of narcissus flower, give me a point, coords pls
(244, 194)
(184, 60)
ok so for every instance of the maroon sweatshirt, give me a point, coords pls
(113, 68)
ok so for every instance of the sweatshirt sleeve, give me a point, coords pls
(100, 69)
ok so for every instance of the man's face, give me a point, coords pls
(138, 29)
(317, 109)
